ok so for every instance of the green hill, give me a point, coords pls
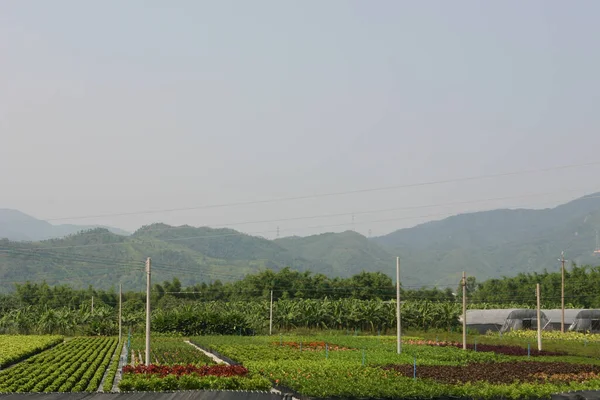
(497, 243)
(348, 252)
(484, 244)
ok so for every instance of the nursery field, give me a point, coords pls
(177, 365)
(14, 348)
(314, 365)
(77, 365)
(369, 367)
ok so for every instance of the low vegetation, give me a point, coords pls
(17, 348)
(74, 366)
(369, 367)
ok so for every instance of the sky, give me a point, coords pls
(111, 108)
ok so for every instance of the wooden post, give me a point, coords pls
(464, 301)
(271, 315)
(398, 314)
(562, 293)
(539, 317)
(148, 266)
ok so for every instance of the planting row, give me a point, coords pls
(502, 373)
(74, 366)
(166, 351)
(554, 335)
(370, 367)
(494, 348)
(16, 348)
(112, 370)
(180, 366)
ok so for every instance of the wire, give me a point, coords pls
(318, 216)
(330, 194)
(235, 233)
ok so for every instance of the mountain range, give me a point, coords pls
(487, 244)
(15, 225)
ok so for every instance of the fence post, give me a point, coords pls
(415, 369)
(363, 357)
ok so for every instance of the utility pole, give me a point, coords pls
(148, 265)
(539, 317)
(562, 293)
(398, 315)
(92, 305)
(271, 315)
(464, 299)
(120, 311)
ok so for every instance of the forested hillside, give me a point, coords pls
(486, 245)
(498, 243)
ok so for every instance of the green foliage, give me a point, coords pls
(140, 382)
(112, 369)
(70, 366)
(168, 351)
(581, 285)
(16, 348)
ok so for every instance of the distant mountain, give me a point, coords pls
(347, 253)
(497, 243)
(484, 244)
(15, 225)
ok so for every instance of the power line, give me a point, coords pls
(331, 194)
(235, 233)
(404, 208)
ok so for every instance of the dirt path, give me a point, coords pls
(218, 360)
(112, 358)
(119, 374)
(211, 355)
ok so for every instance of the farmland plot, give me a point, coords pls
(338, 366)
(74, 366)
(167, 351)
(178, 366)
(14, 348)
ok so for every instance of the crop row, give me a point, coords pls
(71, 366)
(372, 368)
(15, 348)
(154, 383)
(555, 335)
(204, 370)
(97, 370)
(494, 348)
(168, 351)
(112, 370)
(501, 373)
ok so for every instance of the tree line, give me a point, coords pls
(581, 290)
(365, 301)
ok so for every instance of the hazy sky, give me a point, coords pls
(124, 106)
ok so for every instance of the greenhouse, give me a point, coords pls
(586, 321)
(503, 320)
(554, 318)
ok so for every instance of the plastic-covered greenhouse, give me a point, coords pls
(586, 320)
(503, 320)
(554, 318)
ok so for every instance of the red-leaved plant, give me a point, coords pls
(204, 370)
